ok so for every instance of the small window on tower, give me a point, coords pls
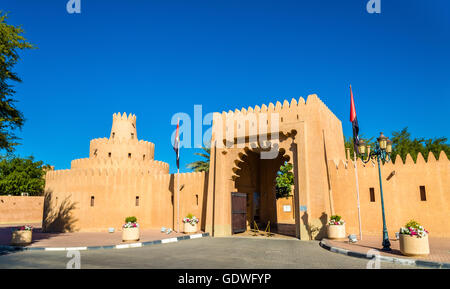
(132, 135)
(137, 201)
(143, 157)
(109, 154)
(196, 198)
(129, 155)
(113, 134)
(92, 201)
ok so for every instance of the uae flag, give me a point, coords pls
(354, 121)
(176, 144)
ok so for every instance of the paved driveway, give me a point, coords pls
(204, 253)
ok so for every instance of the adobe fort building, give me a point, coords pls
(121, 178)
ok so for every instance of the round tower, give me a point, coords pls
(123, 127)
(122, 150)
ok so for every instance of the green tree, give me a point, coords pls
(402, 144)
(284, 181)
(11, 41)
(202, 165)
(349, 143)
(22, 175)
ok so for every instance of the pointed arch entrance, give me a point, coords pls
(255, 177)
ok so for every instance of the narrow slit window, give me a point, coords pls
(372, 194)
(109, 155)
(137, 201)
(92, 201)
(113, 134)
(196, 199)
(423, 193)
(132, 135)
(129, 155)
(143, 157)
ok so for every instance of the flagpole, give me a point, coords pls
(357, 193)
(178, 200)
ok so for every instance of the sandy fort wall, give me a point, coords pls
(401, 191)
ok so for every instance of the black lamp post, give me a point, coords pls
(382, 151)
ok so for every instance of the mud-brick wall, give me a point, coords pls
(402, 196)
(21, 209)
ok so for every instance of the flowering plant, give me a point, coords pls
(25, 228)
(131, 222)
(336, 220)
(191, 219)
(131, 225)
(413, 228)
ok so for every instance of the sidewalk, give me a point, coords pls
(82, 239)
(439, 248)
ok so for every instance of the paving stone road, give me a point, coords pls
(204, 253)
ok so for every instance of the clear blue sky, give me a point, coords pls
(156, 58)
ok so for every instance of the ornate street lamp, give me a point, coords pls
(382, 151)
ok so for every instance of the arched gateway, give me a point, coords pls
(247, 149)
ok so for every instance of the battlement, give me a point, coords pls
(409, 162)
(259, 119)
(130, 118)
(152, 166)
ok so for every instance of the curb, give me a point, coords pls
(120, 246)
(402, 261)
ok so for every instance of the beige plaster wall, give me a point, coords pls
(21, 209)
(401, 195)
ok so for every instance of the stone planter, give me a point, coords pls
(188, 228)
(130, 234)
(336, 231)
(413, 246)
(21, 237)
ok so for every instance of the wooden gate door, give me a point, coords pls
(238, 212)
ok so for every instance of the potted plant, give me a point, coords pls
(130, 230)
(190, 224)
(22, 235)
(336, 227)
(414, 240)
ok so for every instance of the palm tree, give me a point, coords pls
(203, 165)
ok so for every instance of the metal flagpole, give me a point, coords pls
(357, 193)
(178, 200)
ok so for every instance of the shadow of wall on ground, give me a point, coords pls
(58, 218)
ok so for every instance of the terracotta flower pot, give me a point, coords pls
(336, 231)
(23, 237)
(413, 246)
(188, 228)
(130, 234)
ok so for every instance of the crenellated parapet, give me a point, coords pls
(266, 118)
(104, 148)
(342, 165)
(153, 166)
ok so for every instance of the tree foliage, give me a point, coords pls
(11, 41)
(22, 175)
(284, 181)
(202, 165)
(403, 144)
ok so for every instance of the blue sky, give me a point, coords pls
(157, 58)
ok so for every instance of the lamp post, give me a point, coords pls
(382, 151)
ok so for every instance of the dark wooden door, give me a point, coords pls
(238, 212)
